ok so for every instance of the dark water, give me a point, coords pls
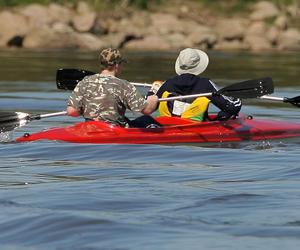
(73, 196)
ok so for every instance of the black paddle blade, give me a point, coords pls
(67, 79)
(249, 89)
(294, 100)
(11, 120)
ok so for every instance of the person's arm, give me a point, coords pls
(229, 106)
(75, 102)
(151, 105)
(134, 101)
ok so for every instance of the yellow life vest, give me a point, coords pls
(194, 111)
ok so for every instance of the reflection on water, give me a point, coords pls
(6, 136)
(72, 196)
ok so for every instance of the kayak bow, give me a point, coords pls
(173, 130)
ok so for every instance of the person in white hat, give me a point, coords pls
(189, 65)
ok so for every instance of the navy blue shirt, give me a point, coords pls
(188, 84)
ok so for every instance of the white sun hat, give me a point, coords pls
(193, 61)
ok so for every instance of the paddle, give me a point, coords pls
(293, 100)
(246, 89)
(11, 120)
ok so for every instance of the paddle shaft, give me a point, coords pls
(140, 84)
(182, 97)
(41, 116)
(11, 120)
(273, 98)
(291, 100)
(265, 97)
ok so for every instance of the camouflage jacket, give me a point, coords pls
(106, 98)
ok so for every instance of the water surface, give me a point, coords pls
(57, 195)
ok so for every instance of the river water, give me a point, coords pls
(56, 195)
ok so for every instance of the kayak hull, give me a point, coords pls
(173, 130)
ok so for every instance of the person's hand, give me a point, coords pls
(295, 101)
(155, 87)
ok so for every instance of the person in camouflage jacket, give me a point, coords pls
(106, 97)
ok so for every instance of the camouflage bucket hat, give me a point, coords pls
(110, 57)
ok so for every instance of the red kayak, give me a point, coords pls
(173, 130)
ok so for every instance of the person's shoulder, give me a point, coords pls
(98, 78)
(121, 81)
(90, 78)
(192, 76)
(201, 79)
(172, 78)
(186, 78)
(84, 82)
(122, 84)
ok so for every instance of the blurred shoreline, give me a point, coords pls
(265, 27)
